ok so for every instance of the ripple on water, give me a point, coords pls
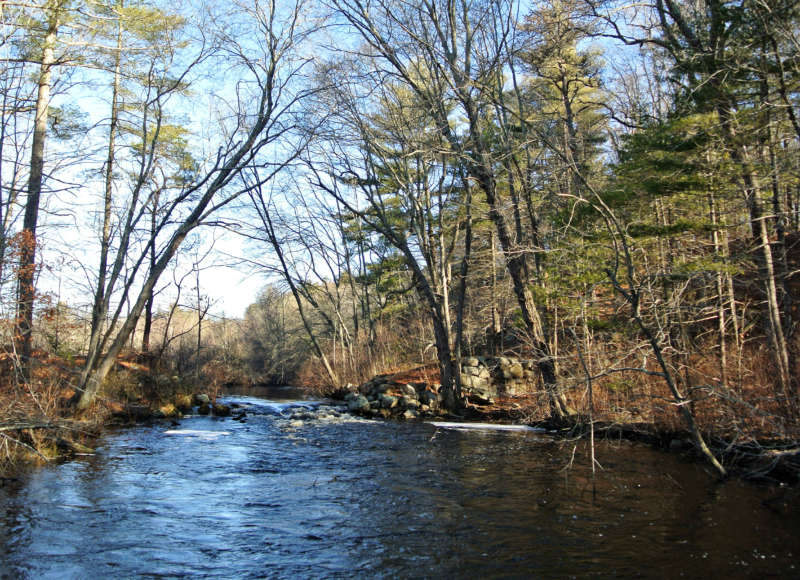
(354, 498)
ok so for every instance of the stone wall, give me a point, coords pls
(487, 377)
(482, 380)
(383, 396)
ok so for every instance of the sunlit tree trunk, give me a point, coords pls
(26, 290)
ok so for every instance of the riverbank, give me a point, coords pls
(414, 395)
(38, 425)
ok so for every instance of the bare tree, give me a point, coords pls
(263, 116)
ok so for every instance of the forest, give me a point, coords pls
(609, 189)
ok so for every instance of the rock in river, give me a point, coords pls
(358, 403)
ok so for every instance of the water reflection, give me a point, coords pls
(372, 499)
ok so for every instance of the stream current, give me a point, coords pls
(340, 497)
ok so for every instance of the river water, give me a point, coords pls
(345, 498)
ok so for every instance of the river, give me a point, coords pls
(345, 498)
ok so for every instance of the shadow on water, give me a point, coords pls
(272, 497)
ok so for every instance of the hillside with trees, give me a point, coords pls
(608, 189)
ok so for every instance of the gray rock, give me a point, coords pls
(408, 391)
(202, 399)
(204, 409)
(481, 372)
(474, 382)
(410, 415)
(470, 361)
(382, 388)
(408, 403)
(429, 398)
(358, 403)
(221, 410)
(388, 401)
(480, 398)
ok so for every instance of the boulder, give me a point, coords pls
(409, 415)
(470, 382)
(388, 401)
(204, 409)
(470, 361)
(471, 371)
(516, 370)
(201, 399)
(408, 391)
(480, 398)
(429, 398)
(358, 403)
(221, 410)
(408, 403)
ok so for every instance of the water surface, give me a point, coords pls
(340, 498)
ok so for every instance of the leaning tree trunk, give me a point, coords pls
(517, 270)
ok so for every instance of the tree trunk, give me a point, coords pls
(517, 269)
(26, 291)
(758, 223)
(100, 299)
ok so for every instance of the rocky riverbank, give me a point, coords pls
(384, 397)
